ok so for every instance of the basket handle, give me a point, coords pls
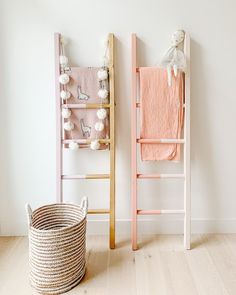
(28, 213)
(84, 205)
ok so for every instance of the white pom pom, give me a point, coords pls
(65, 94)
(102, 75)
(102, 93)
(99, 126)
(64, 41)
(105, 41)
(68, 126)
(64, 79)
(73, 145)
(66, 113)
(63, 60)
(95, 145)
(101, 114)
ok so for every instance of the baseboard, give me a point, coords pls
(165, 225)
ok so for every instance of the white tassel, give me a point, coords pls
(65, 94)
(101, 114)
(175, 68)
(102, 93)
(68, 126)
(99, 126)
(64, 79)
(66, 113)
(73, 146)
(95, 145)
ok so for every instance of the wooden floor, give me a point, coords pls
(160, 266)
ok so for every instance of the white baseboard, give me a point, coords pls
(172, 226)
(165, 225)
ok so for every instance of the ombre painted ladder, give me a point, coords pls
(60, 177)
(185, 176)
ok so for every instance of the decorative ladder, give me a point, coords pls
(60, 177)
(186, 142)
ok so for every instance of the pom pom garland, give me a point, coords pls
(64, 79)
(63, 60)
(68, 126)
(73, 145)
(99, 126)
(101, 114)
(65, 94)
(95, 145)
(102, 74)
(102, 93)
(66, 113)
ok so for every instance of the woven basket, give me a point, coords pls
(57, 246)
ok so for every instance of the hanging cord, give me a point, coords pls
(106, 54)
(102, 83)
(106, 64)
(64, 87)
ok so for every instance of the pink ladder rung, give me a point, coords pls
(150, 176)
(158, 212)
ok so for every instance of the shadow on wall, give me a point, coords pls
(6, 181)
(123, 125)
(202, 156)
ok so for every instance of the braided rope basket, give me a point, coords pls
(57, 246)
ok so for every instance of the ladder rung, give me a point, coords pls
(160, 140)
(98, 211)
(84, 141)
(138, 105)
(86, 106)
(86, 176)
(160, 176)
(157, 212)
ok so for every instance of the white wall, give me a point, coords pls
(27, 111)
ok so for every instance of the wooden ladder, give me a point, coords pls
(185, 176)
(60, 141)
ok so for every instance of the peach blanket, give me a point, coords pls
(161, 113)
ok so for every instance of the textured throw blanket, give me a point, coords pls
(84, 86)
(161, 113)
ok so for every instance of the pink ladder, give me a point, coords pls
(185, 141)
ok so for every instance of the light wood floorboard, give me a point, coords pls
(160, 267)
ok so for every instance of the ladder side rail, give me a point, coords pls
(112, 141)
(187, 185)
(59, 162)
(133, 144)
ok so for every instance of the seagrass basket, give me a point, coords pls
(57, 246)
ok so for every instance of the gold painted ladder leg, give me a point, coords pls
(112, 142)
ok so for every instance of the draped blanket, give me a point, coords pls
(161, 113)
